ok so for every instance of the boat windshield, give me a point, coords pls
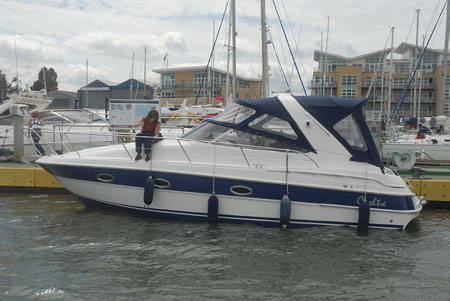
(235, 114)
(349, 130)
(209, 131)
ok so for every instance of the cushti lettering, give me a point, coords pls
(375, 202)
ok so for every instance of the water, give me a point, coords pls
(52, 248)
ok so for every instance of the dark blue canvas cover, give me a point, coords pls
(327, 110)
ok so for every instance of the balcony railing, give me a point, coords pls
(314, 84)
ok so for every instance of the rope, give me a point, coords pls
(211, 54)
(290, 50)
(278, 60)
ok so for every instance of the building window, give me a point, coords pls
(447, 108)
(349, 93)
(401, 67)
(349, 80)
(200, 76)
(168, 94)
(168, 80)
(399, 82)
(203, 93)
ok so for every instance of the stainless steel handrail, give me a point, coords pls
(113, 140)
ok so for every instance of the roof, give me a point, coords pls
(404, 47)
(69, 94)
(126, 84)
(318, 53)
(199, 68)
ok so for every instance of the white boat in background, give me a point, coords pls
(285, 160)
(407, 150)
(63, 130)
(188, 116)
(36, 100)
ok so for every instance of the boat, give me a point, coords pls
(407, 150)
(36, 100)
(63, 130)
(281, 161)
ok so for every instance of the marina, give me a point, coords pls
(224, 177)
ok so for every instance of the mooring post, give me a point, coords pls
(18, 120)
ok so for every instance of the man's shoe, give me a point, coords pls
(148, 157)
(138, 157)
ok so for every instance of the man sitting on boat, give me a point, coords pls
(150, 128)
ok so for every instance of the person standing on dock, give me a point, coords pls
(150, 128)
(35, 125)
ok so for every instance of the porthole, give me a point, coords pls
(161, 183)
(241, 190)
(104, 177)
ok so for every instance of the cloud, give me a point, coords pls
(66, 33)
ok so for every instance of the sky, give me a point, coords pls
(97, 38)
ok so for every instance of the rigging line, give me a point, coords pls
(290, 50)
(410, 27)
(139, 78)
(283, 52)
(378, 66)
(405, 91)
(280, 67)
(183, 15)
(297, 53)
(281, 43)
(211, 54)
(181, 21)
(438, 27)
(279, 63)
(432, 17)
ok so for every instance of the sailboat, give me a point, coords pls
(406, 150)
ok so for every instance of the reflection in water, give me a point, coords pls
(55, 248)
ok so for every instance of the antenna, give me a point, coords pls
(17, 68)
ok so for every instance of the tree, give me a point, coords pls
(3, 87)
(50, 79)
(6, 87)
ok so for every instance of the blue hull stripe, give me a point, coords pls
(203, 185)
(200, 216)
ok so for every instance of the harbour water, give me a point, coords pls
(53, 248)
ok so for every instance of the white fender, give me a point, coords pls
(404, 159)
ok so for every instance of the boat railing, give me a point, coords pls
(64, 142)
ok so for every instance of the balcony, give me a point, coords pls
(314, 84)
(367, 83)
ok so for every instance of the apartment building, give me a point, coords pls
(209, 83)
(369, 76)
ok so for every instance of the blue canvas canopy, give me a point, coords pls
(329, 110)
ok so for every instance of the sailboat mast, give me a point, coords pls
(444, 67)
(265, 63)
(145, 67)
(131, 81)
(87, 83)
(17, 66)
(391, 66)
(233, 39)
(227, 84)
(415, 61)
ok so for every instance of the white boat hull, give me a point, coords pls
(244, 209)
